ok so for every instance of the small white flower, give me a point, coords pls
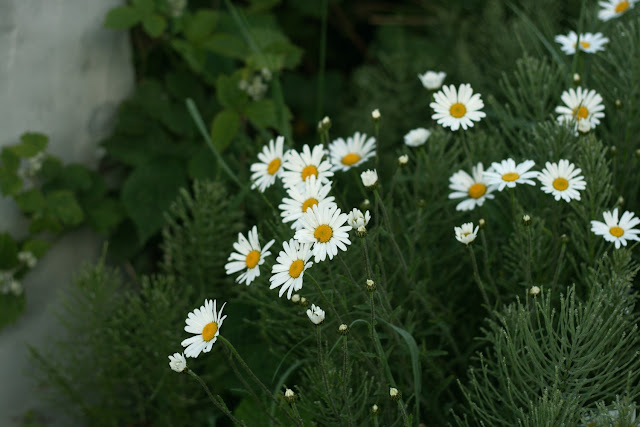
(292, 261)
(375, 114)
(562, 180)
(357, 219)
(457, 108)
(315, 314)
(581, 105)
(324, 124)
(465, 233)
(417, 137)
(324, 227)
(617, 231)
(369, 178)
(508, 174)
(28, 258)
(614, 8)
(576, 78)
(343, 328)
(265, 172)
(249, 255)
(374, 409)
(590, 43)
(352, 153)
(394, 393)
(432, 80)
(205, 323)
(473, 188)
(403, 160)
(177, 362)
(289, 394)
(301, 198)
(535, 290)
(295, 298)
(298, 167)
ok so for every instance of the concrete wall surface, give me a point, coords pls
(62, 74)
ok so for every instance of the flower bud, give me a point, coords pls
(526, 220)
(371, 285)
(343, 329)
(534, 291)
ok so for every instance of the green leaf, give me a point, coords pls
(8, 252)
(10, 183)
(200, 25)
(229, 94)
(150, 190)
(193, 56)
(51, 168)
(10, 160)
(145, 7)
(30, 145)
(74, 177)
(182, 84)
(31, 201)
(154, 25)
(11, 307)
(202, 164)
(36, 247)
(122, 17)
(105, 215)
(63, 205)
(224, 128)
(262, 113)
(227, 45)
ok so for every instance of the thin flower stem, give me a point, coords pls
(215, 402)
(465, 147)
(485, 248)
(297, 414)
(476, 275)
(375, 421)
(344, 358)
(556, 275)
(324, 297)
(348, 270)
(324, 375)
(344, 381)
(386, 306)
(373, 335)
(385, 214)
(528, 263)
(403, 411)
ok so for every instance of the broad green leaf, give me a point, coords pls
(46, 222)
(199, 25)
(145, 7)
(8, 252)
(202, 164)
(105, 215)
(122, 17)
(36, 247)
(10, 160)
(229, 94)
(150, 190)
(64, 206)
(224, 128)
(51, 168)
(262, 113)
(182, 84)
(154, 25)
(152, 98)
(31, 201)
(258, 6)
(11, 307)
(75, 177)
(10, 183)
(226, 44)
(30, 145)
(193, 56)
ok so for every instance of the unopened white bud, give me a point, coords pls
(535, 290)
(402, 160)
(295, 298)
(375, 114)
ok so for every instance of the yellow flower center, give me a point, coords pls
(273, 166)
(584, 44)
(560, 184)
(580, 112)
(477, 190)
(458, 110)
(510, 176)
(296, 268)
(209, 331)
(308, 171)
(323, 233)
(616, 231)
(308, 204)
(252, 259)
(622, 6)
(351, 159)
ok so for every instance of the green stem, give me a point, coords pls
(556, 275)
(215, 402)
(322, 60)
(403, 411)
(485, 248)
(385, 214)
(324, 375)
(324, 297)
(529, 254)
(476, 276)
(297, 414)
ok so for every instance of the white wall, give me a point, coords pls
(62, 74)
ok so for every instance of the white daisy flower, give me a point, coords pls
(590, 43)
(177, 362)
(301, 198)
(472, 188)
(617, 231)
(614, 8)
(508, 174)
(457, 108)
(248, 255)
(417, 137)
(432, 80)
(357, 150)
(205, 323)
(562, 180)
(324, 227)
(369, 178)
(581, 106)
(315, 314)
(269, 167)
(357, 219)
(465, 233)
(300, 166)
(375, 114)
(293, 260)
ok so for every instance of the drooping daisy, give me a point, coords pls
(315, 314)
(357, 219)
(417, 137)
(457, 108)
(614, 8)
(293, 260)
(617, 231)
(563, 180)
(248, 256)
(508, 174)
(301, 198)
(205, 323)
(582, 106)
(472, 188)
(432, 80)
(269, 167)
(300, 166)
(324, 227)
(177, 362)
(590, 43)
(354, 152)
(466, 234)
